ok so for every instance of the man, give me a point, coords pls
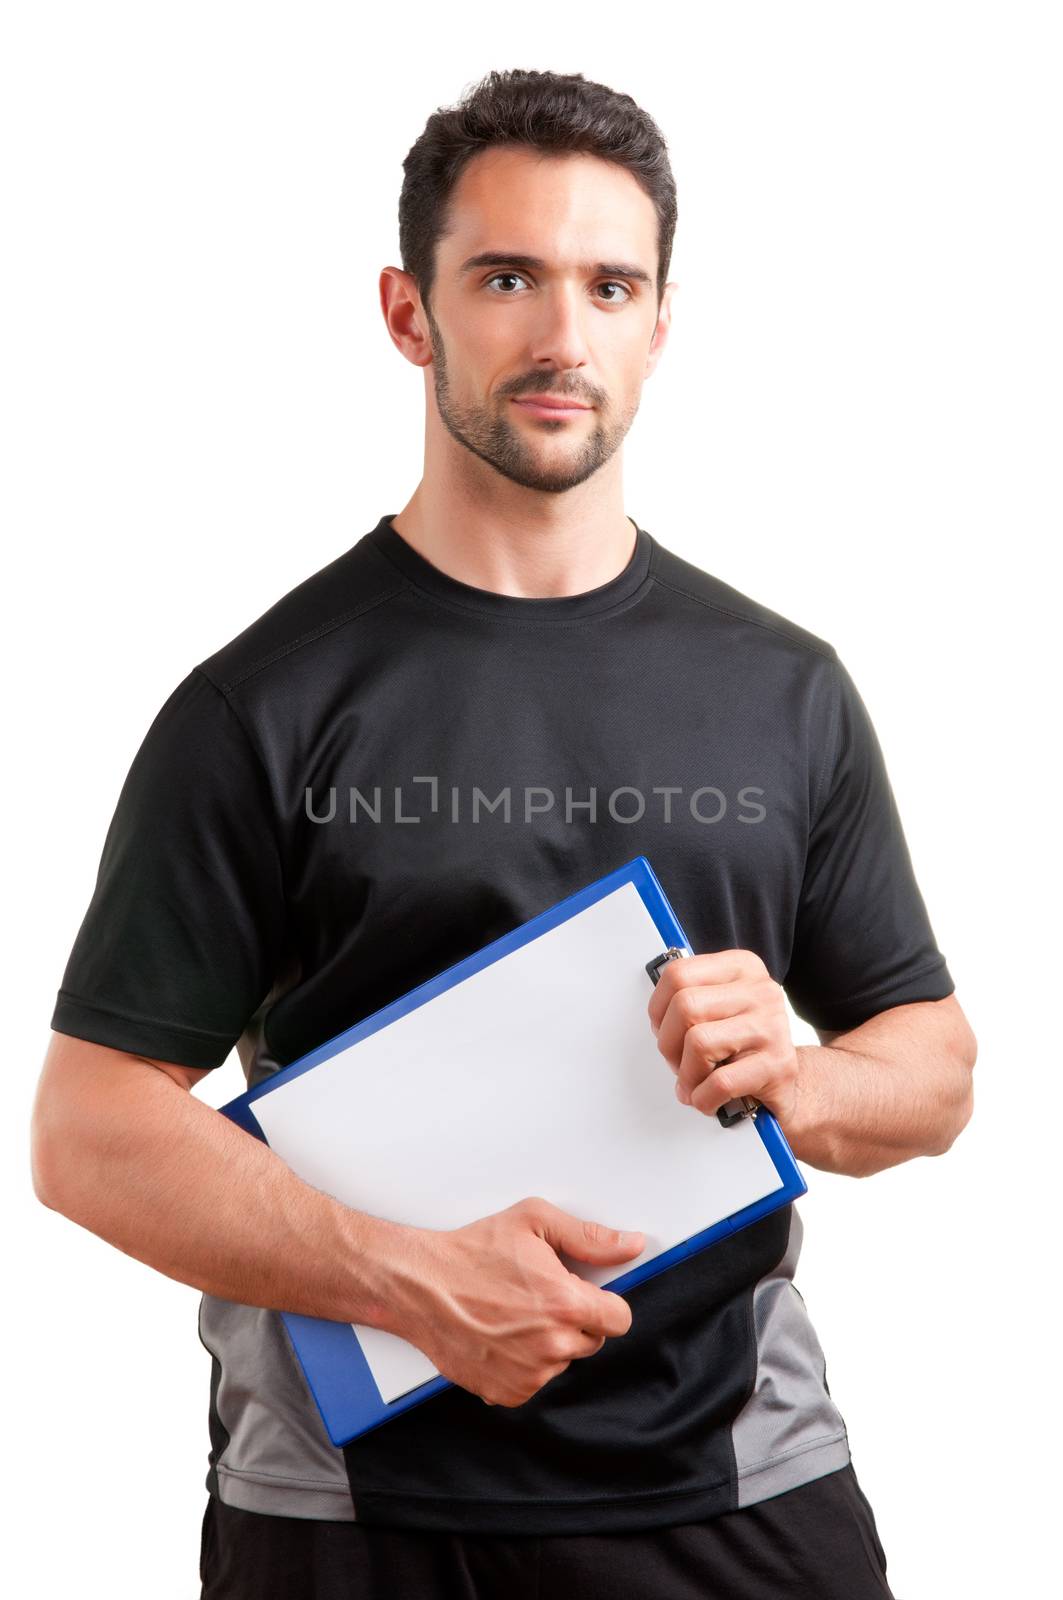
(511, 632)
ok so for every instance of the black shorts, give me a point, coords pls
(816, 1542)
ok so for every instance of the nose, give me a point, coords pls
(559, 338)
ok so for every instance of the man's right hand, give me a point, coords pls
(494, 1308)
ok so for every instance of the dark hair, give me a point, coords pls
(548, 111)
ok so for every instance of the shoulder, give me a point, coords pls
(747, 617)
(334, 597)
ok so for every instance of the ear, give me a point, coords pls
(662, 328)
(404, 315)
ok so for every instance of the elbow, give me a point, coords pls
(53, 1154)
(961, 1106)
(40, 1174)
(45, 1167)
(59, 1180)
(959, 1119)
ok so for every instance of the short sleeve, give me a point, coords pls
(181, 938)
(862, 940)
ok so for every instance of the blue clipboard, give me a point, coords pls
(332, 1359)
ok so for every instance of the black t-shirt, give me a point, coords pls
(391, 768)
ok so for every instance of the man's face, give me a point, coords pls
(578, 324)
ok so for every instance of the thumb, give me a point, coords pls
(585, 1240)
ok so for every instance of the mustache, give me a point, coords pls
(549, 383)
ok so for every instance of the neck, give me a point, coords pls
(521, 542)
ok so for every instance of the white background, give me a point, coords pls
(857, 422)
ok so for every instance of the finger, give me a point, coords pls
(605, 1313)
(698, 1003)
(715, 968)
(751, 1075)
(581, 1237)
(708, 1045)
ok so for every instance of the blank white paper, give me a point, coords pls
(539, 1075)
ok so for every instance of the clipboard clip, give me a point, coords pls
(733, 1110)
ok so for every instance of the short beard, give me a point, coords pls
(496, 440)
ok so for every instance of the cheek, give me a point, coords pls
(625, 383)
(496, 337)
(480, 352)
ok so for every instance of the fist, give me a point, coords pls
(722, 1026)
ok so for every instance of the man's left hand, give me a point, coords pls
(722, 1026)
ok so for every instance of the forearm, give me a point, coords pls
(882, 1093)
(172, 1182)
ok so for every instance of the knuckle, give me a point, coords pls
(686, 1003)
(701, 1036)
(507, 1395)
(568, 1302)
(557, 1346)
(702, 1100)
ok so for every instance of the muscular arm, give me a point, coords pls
(120, 1146)
(898, 1086)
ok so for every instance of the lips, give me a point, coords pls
(542, 406)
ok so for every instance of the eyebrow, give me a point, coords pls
(606, 269)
